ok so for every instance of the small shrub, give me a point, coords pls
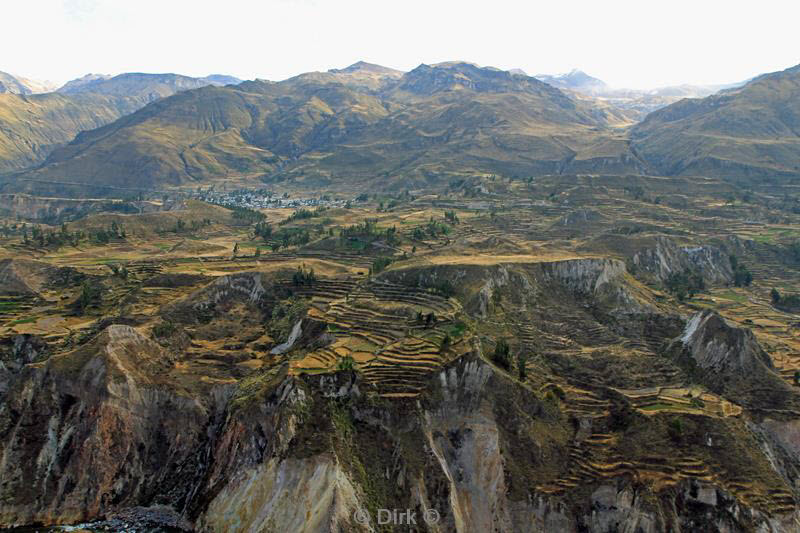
(346, 364)
(164, 329)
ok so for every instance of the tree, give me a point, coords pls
(522, 359)
(684, 283)
(775, 295)
(430, 319)
(303, 277)
(446, 341)
(501, 355)
(742, 277)
(235, 249)
(90, 295)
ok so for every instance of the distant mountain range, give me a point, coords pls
(363, 123)
(639, 101)
(378, 127)
(142, 85)
(33, 122)
(10, 83)
(575, 80)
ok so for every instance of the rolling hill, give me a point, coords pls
(32, 125)
(750, 132)
(364, 122)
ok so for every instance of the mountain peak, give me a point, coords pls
(363, 66)
(576, 80)
(460, 75)
(10, 83)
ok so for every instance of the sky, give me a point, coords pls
(635, 44)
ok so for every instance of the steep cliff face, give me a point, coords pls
(721, 348)
(732, 362)
(123, 426)
(102, 430)
(666, 258)
(602, 281)
(98, 429)
(473, 449)
(15, 353)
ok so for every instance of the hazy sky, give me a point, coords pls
(641, 43)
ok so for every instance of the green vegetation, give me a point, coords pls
(741, 275)
(164, 329)
(686, 283)
(264, 230)
(364, 233)
(380, 264)
(303, 277)
(502, 354)
(246, 215)
(90, 296)
(285, 315)
(346, 364)
(522, 371)
(433, 229)
(445, 344)
(304, 214)
(785, 302)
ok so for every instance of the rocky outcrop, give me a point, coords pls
(303, 495)
(718, 347)
(666, 258)
(245, 287)
(16, 352)
(730, 361)
(586, 275)
(602, 280)
(108, 431)
(100, 429)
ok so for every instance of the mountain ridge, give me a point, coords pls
(10, 83)
(454, 115)
(32, 125)
(748, 132)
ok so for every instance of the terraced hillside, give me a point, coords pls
(547, 354)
